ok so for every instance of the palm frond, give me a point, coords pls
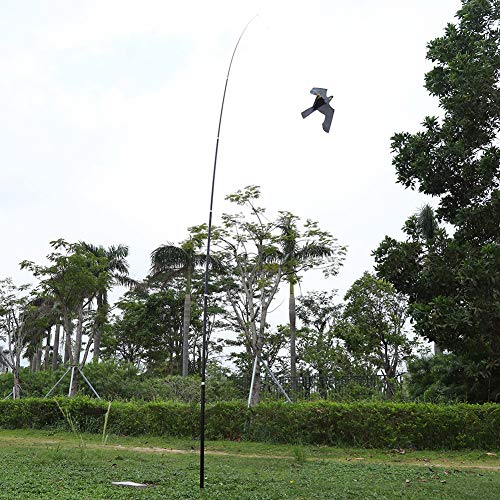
(125, 281)
(164, 277)
(427, 223)
(168, 257)
(97, 250)
(312, 250)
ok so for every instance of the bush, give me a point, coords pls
(419, 425)
(114, 381)
(448, 377)
(377, 425)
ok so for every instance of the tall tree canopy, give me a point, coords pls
(169, 262)
(319, 347)
(148, 329)
(304, 248)
(248, 248)
(375, 315)
(72, 279)
(453, 281)
(117, 267)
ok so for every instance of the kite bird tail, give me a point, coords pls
(307, 112)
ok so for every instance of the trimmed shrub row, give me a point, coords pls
(375, 425)
(379, 425)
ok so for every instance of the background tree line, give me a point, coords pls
(443, 278)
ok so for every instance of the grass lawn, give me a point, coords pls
(43, 464)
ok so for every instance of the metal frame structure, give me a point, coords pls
(273, 378)
(73, 368)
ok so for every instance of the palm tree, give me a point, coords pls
(296, 257)
(40, 316)
(117, 267)
(169, 262)
(427, 223)
(428, 228)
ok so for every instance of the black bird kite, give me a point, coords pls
(322, 104)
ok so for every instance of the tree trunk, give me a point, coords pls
(390, 374)
(16, 390)
(185, 327)
(437, 349)
(55, 354)
(258, 335)
(37, 357)
(68, 329)
(67, 348)
(293, 355)
(16, 394)
(87, 350)
(389, 385)
(257, 385)
(322, 384)
(257, 351)
(100, 320)
(76, 354)
(74, 386)
(47, 351)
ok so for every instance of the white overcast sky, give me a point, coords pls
(109, 112)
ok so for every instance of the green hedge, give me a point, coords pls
(381, 425)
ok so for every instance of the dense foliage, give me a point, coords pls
(453, 280)
(123, 382)
(382, 425)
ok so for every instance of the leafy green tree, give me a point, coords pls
(248, 246)
(304, 249)
(44, 314)
(453, 281)
(117, 267)
(276, 340)
(319, 347)
(25, 318)
(427, 224)
(442, 378)
(73, 278)
(147, 331)
(374, 329)
(456, 157)
(169, 262)
(14, 311)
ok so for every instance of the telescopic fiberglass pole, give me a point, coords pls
(207, 265)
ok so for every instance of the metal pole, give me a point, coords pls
(275, 380)
(71, 380)
(9, 395)
(89, 384)
(252, 381)
(57, 383)
(207, 265)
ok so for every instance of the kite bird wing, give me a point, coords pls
(328, 111)
(319, 92)
(321, 104)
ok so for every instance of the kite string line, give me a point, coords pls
(205, 296)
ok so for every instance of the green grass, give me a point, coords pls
(42, 464)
